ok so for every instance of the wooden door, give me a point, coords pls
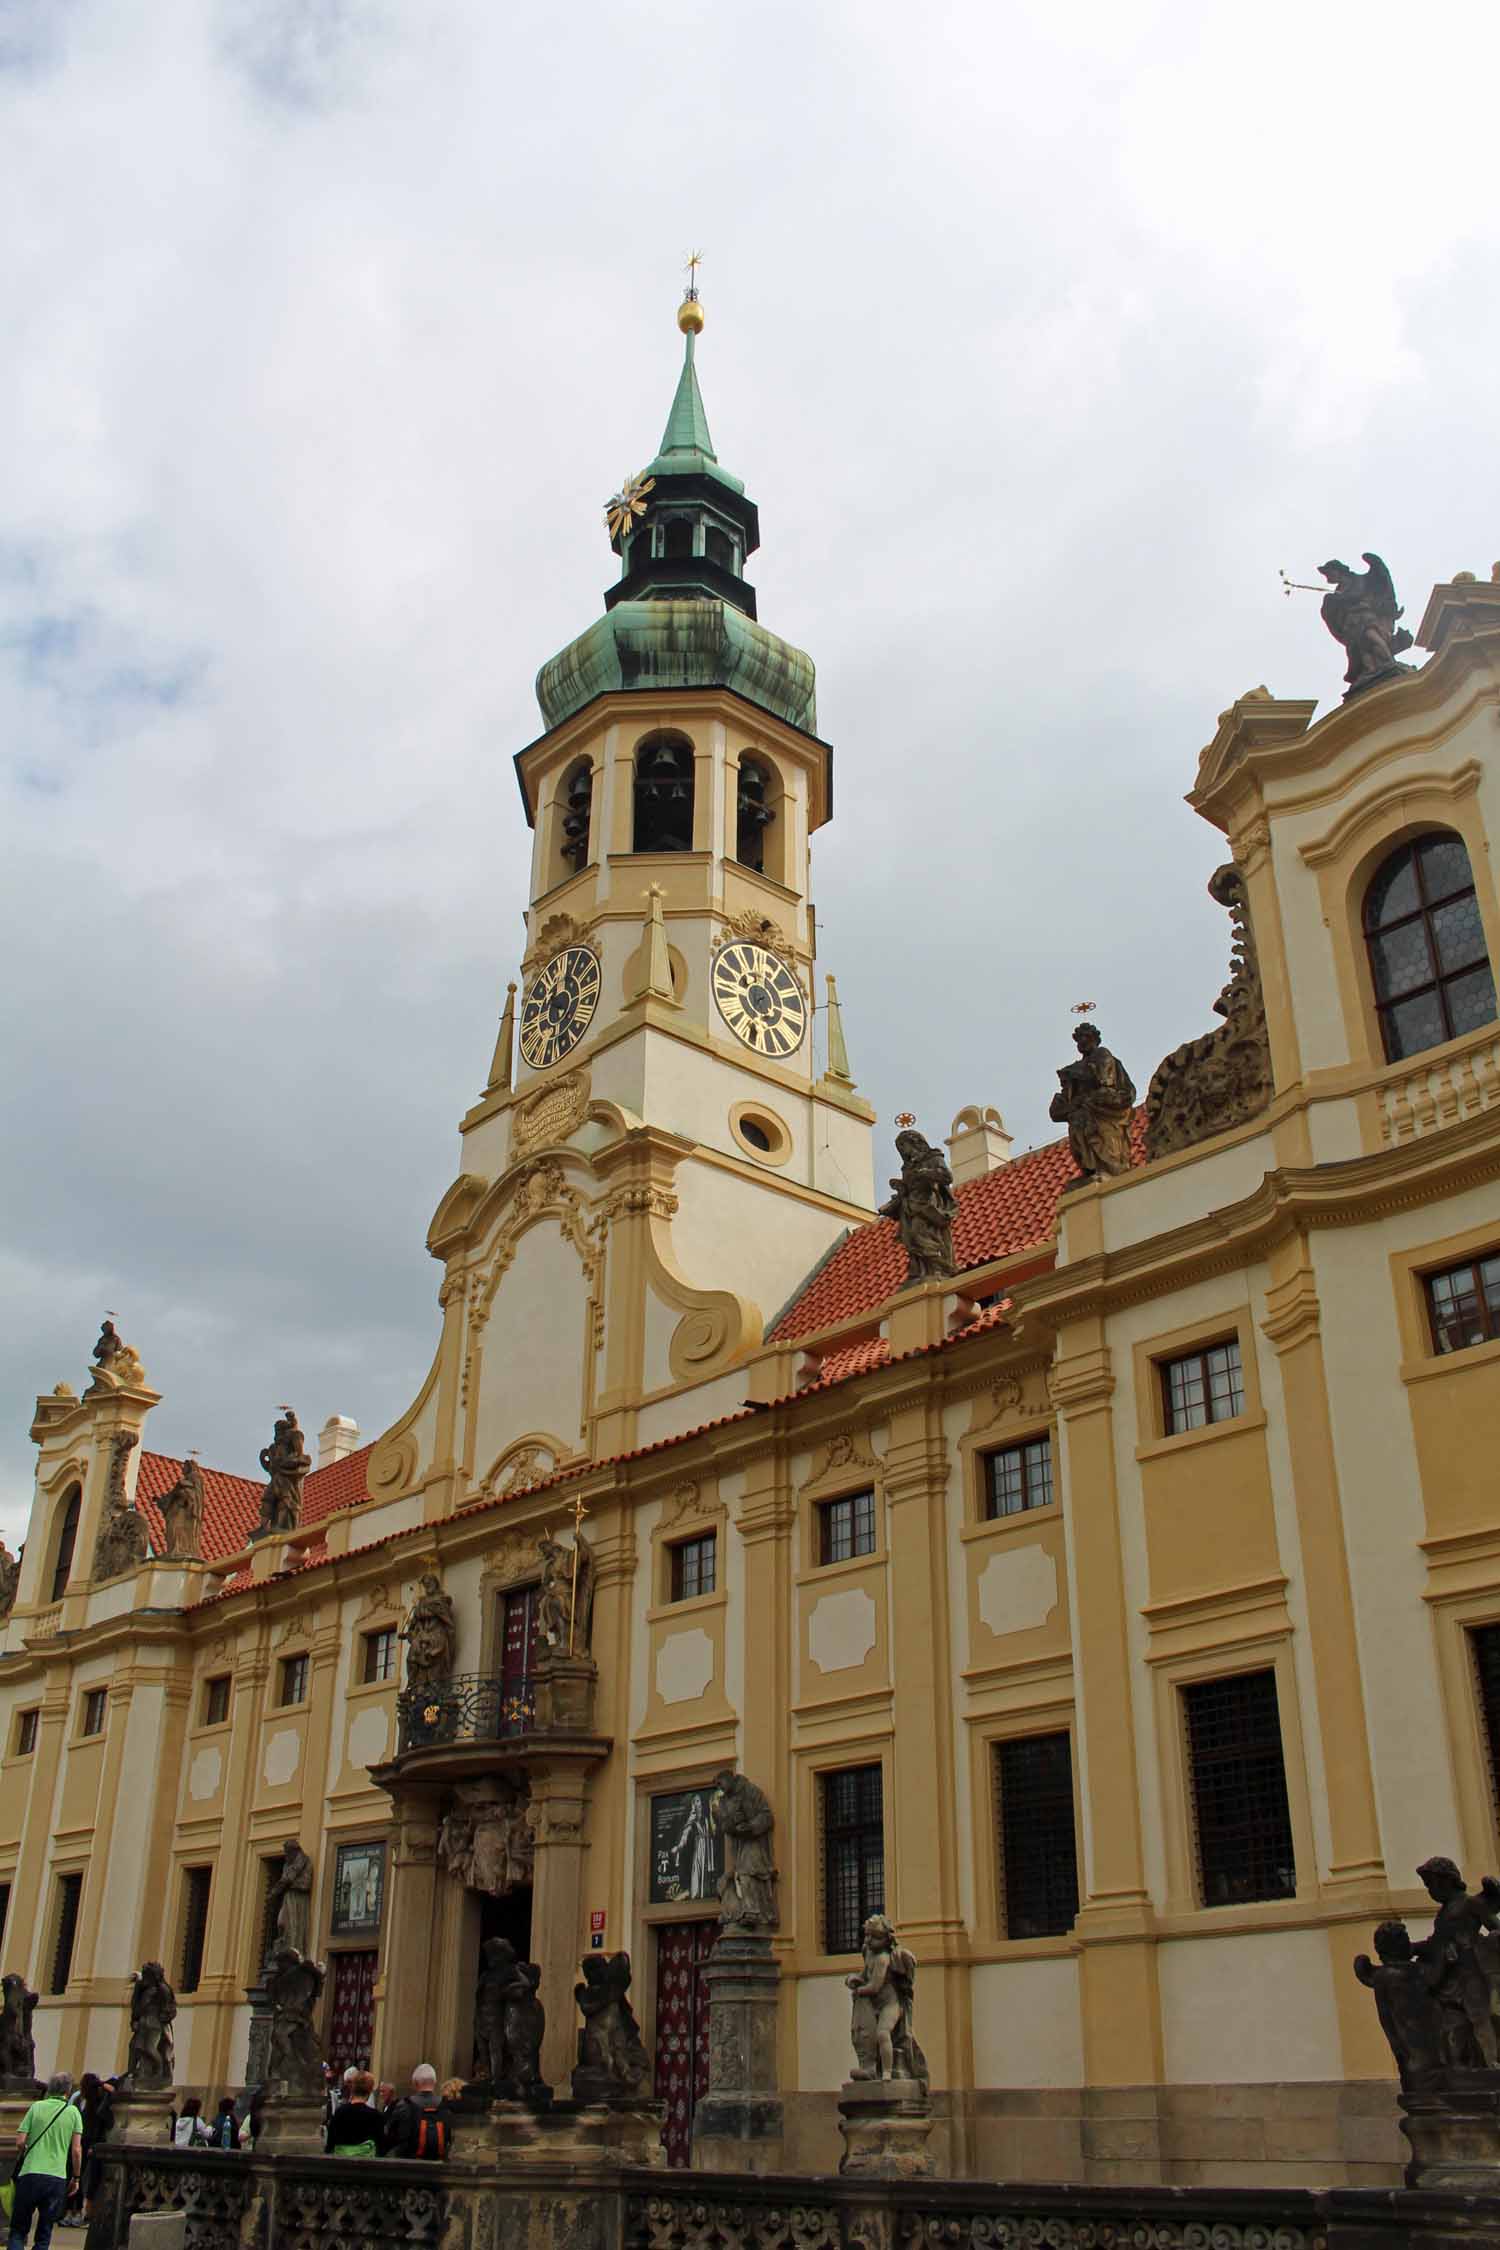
(352, 2023)
(682, 2028)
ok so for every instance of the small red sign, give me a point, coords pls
(596, 1919)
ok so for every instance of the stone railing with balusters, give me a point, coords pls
(1439, 1092)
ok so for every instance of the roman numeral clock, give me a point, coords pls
(759, 998)
(559, 1006)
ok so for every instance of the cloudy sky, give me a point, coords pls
(1043, 336)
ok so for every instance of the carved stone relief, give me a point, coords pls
(550, 1114)
(1223, 1078)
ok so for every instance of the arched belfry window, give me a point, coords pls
(1428, 960)
(577, 797)
(67, 1540)
(753, 814)
(677, 539)
(663, 795)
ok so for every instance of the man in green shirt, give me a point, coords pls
(51, 2146)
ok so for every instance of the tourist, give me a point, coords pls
(50, 2155)
(421, 2123)
(224, 2131)
(96, 2104)
(257, 2115)
(190, 2130)
(354, 2128)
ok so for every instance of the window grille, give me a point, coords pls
(1038, 1842)
(216, 1701)
(1243, 1821)
(1018, 1477)
(846, 1527)
(1463, 1304)
(380, 1655)
(196, 1883)
(853, 1840)
(1202, 1387)
(26, 1728)
(293, 1679)
(1428, 960)
(93, 1711)
(694, 1564)
(69, 1893)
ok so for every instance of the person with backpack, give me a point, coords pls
(49, 2157)
(225, 2131)
(354, 2128)
(189, 2131)
(421, 2124)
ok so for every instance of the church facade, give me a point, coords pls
(1118, 1611)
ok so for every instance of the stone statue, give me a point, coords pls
(295, 1985)
(497, 1959)
(1223, 1078)
(153, 2005)
(509, 2024)
(747, 1889)
(17, 2051)
(291, 1895)
(182, 1515)
(1463, 1979)
(924, 1207)
(121, 1543)
(884, 2045)
(487, 1840)
(1403, 1987)
(613, 2065)
(564, 1610)
(431, 1635)
(286, 1462)
(1094, 1100)
(10, 1579)
(1360, 609)
(116, 1366)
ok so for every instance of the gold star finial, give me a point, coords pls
(690, 311)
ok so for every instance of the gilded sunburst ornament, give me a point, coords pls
(623, 509)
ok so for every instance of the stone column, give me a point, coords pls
(739, 2122)
(411, 1929)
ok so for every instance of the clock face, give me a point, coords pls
(759, 998)
(559, 1006)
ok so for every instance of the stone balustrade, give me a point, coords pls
(1438, 1092)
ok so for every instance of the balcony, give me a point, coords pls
(475, 1722)
(466, 1707)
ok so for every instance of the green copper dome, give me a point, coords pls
(682, 613)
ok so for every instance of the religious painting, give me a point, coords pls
(358, 1889)
(687, 1849)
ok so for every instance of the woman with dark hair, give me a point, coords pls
(225, 2129)
(190, 2130)
(97, 2106)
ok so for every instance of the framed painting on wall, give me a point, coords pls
(358, 1889)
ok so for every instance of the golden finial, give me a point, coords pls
(690, 311)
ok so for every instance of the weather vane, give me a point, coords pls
(623, 509)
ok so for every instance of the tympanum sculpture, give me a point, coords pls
(153, 2006)
(487, 1839)
(1094, 1099)
(1361, 611)
(747, 1889)
(286, 1462)
(182, 1515)
(924, 1208)
(613, 2065)
(430, 1634)
(17, 2049)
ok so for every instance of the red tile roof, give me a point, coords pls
(231, 1505)
(1012, 1208)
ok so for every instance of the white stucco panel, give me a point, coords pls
(684, 1666)
(1018, 1591)
(824, 2055)
(282, 1758)
(1028, 2030)
(205, 1773)
(533, 1347)
(841, 1630)
(369, 1731)
(1276, 1991)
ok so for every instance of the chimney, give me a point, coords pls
(978, 1143)
(337, 1439)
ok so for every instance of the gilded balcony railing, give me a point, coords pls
(466, 1707)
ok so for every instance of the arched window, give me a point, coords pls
(67, 1540)
(1428, 961)
(677, 539)
(753, 814)
(663, 795)
(577, 796)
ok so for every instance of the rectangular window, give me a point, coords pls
(92, 1721)
(693, 1566)
(216, 1700)
(26, 1726)
(293, 1679)
(380, 1655)
(1485, 1643)
(1038, 1842)
(1243, 1821)
(1463, 1304)
(4, 1909)
(1018, 1477)
(846, 1527)
(853, 1839)
(1202, 1387)
(69, 1892)
(196, 1882)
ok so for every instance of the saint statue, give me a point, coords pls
(431, 1635)
(747, 1890)
(291, 1895)
(1360, 610)
(295, 1986)
(884, 2044)
(116, 1366)
(286, 1462)
(1094, 1099)
(182, 1515)
(10, 1579)
(565, 1597)
(153, 2005)
(924, 1207)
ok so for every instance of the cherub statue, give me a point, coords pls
(1403, 1987)
(10, 1579)
(1360, 609)
(747, 1890)
(612, 2062)
(525, 2026)
(116, 1366)
(1094, 1100)
(924, 1207)
(153, 2006)
(884, 2044)
(17, 2051)
(1462, 1980)
(286, 1462)
(430, 1634)
(295, 1986)
(182, 1515)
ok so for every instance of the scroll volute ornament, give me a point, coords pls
(1222, 1079)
